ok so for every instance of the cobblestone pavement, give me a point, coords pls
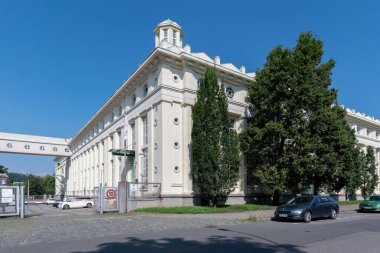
(44, 223)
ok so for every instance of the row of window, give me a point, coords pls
(103, 124)
(174, 36)
(42, 148)
(229, 91)
(146, 91)
(366, 132)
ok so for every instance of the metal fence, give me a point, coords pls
(106, 199)
(12, 201)
(143, 191)
(139, 194)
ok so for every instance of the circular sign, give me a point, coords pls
(111, 194)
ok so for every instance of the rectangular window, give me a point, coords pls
(133, 132)
(232, 124)
(144, 172)
(145, 130)
(174, 37)
(165, 34)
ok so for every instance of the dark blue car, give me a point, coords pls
(308, 207)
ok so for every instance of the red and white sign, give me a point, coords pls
(111, 194)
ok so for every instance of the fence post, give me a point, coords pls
(127, 197)
(101, 198)
(22, 201)
(122, 191)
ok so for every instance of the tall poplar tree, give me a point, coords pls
(369, 177)
(297, 134)
(215, 151)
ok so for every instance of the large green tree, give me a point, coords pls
(297, 135)
(48, 182)
(369, 177)
(215, 151)
(36, 185)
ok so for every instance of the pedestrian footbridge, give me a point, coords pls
(34, 145)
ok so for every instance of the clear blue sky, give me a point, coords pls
(61, 60)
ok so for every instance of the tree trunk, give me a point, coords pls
(276, 198)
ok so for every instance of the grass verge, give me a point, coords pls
(350, 202)
(205, 209)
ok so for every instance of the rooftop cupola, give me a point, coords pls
(168, 33)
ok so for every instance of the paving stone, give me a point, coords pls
(44, 223)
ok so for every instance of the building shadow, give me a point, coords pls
(220, 244)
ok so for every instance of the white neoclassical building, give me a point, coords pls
(153, 107)
(151, 114)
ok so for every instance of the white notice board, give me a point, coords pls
(6, 193)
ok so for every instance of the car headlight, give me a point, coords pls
(297, 211)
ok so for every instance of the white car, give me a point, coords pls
(52, 201)
(76, 202)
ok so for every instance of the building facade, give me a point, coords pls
(151, 114)
(154, 104)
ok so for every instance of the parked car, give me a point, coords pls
(372, 204)
(52, 201)
(306, 208)
(76, 202)
(56, 204)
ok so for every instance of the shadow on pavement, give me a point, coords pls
(218, 244)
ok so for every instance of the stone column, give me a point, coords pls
(101, 162)
(96, 165)
(105, 161)
(116, 145)
(186, 137)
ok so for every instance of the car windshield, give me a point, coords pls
(374, 198)
(300, 200)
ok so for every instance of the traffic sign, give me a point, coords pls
(111, 194)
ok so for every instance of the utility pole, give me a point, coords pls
(28, 188)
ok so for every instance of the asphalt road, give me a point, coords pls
(352, 232)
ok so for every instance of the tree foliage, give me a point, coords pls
(18, 177)
(369, 177)
(39, 185)
(215, 152)
(297, 134)
(3, 169)
(36, 186)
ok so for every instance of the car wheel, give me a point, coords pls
(333, 213)
(307, 217)
(89, 205)
(65, 207)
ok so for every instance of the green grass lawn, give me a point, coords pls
(220, 209)
(205, 209)
(350, 202)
